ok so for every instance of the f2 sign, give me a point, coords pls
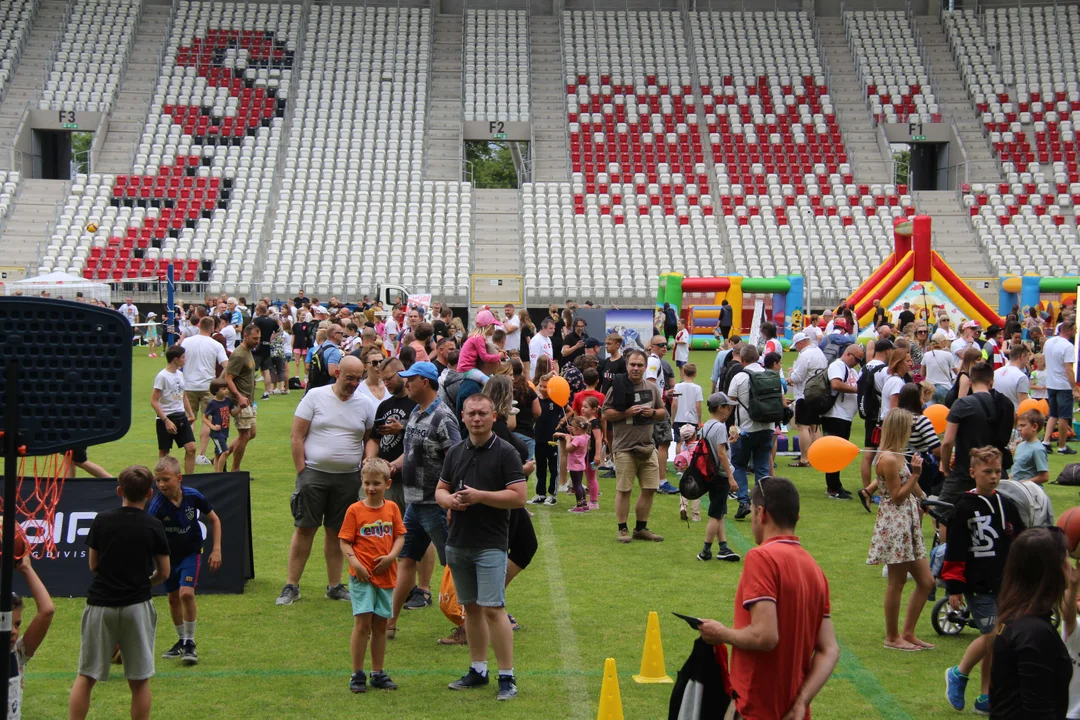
(497, 128)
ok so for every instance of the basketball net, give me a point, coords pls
(36, 509)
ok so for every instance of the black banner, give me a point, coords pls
(67, 571)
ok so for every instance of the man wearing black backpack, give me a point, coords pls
(325, 359)
(759, 406)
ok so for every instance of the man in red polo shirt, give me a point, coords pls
(783, 645)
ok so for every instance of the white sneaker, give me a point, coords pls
(203, 460)
(564, 488)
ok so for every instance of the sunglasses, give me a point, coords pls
(762, 483)
(660, 345)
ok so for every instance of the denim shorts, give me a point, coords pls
(479, 575)
(983, 609)
(424, 524)
(530, 444)
(1061, 403)
(366, 598)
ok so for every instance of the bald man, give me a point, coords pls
(330, 430)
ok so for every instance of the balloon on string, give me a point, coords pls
(831, 454)
(559, 390)
(938, 415)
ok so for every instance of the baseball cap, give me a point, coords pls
(320, 309)
(484, 318)
(591, 342)
(150, 315)
(687, 432)
(423, 369)
(799, 337)
(718, 399)
(840, 324)
(970, 324)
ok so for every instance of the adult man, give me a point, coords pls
(966, 339)
(205, 360)
(512, 325)
(755, 438)
(837, 420)
(906, 317)
(541, 342)
(129, 311)
(267, 327)
(366, 341)
(971, 424)
(330, 429)
(431, 431)
(443, 348)
(614, 364)
(722, 354)
(236, 317)
(1011, 381)
(881, 315)
(240, 375)
(392, 331)
(442, 322)
(299, 299)
(783, 645)
(726, 316)
(413, 320)
(325, 359)
(482, 480)
(573, 345)
(828, 318)
(810, 362)
(631, 409)
(1061, 387)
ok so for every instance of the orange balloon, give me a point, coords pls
(831, 454)
(559, 390)
(938, 415)
(1044, 407)
(1033, 404)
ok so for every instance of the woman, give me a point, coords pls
(301, 341)
(962, 386)
(372, 388)
(1032, 320)
(1030, 675)
(528, 406)
(938, 366)
(920, 345)
(898, 540)
(924, 439)
(899, 362)
(528, 332)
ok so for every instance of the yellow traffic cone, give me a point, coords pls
(610, 698)
(652, 657)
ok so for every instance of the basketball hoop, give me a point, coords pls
(35, 509)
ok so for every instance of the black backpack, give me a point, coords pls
(702, 470)
(1070, 475)
(319, 374)
(869, 396)
(766, 397)
(731, 369)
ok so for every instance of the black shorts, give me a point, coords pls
(872, 436)
(521, 539)
(78, 455)
(262, 361)
(804, 414)
(184, 433)
(718, 496)
(662, 433)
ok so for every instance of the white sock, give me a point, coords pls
(506, 673)
(189, 630)
(480, 667)
(180, 631)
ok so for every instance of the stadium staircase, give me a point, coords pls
(497, 239)
(24, 229)
(548, 101)
(443, 143)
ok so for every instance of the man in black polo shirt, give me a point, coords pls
(482, 480)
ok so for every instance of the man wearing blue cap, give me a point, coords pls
(431, 431)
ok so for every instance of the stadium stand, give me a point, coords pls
(496, 72)
(16, 17)
(9, 189)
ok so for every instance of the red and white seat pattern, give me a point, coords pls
(890, 67)
(197, 196)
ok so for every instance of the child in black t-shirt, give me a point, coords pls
(544, 428)
(219, 412)
(129, 554)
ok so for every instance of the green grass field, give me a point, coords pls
(583, 599)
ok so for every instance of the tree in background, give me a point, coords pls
(492, 165)
(80, 151)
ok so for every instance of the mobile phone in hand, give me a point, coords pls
(693, 622)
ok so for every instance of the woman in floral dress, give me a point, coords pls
(898, 539)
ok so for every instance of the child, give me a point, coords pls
(715, 433)
(219, 412)
(1038, 378)
(682, 344)
(151, 335)
(686, 400)
(546, 446)
(686, 448)
(590, 410)
(926, 393)
(129, 554)
(1030, 461)
(371, 536)
(577, 442)
(24, 647)
(174, 415)
(983, 525)
(591, 376)
(179, 510)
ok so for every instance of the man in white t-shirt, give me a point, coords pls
(1011, 380)
(966, 339)
(1061, 390)
(512, 326)
(174, 413)
(129, 311)
(843, 377)
(391, 330)
(541, 342)
(811, 361)
(205, 358)
(330, 429)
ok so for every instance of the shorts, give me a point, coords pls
(872, 435)
(300, 354)
(983, 609)
(396, 493)
(1061, 403)
(184, 434)
(184, 574)
(132, 627)
(521, 539)
(718, 496)
(634, 463)
(78, 455)
(221, 443)
(262, 361)
(246, 420)
(529, 443)
(198, 399)
(424, 525)
(805, 415)
(321, 498)
(366, 598)
(661, 433)
(479, 575)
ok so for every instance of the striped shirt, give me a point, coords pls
(923, 436)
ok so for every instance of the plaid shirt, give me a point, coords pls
(429, 434)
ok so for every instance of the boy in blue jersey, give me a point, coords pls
(219, 413)
(179, 508)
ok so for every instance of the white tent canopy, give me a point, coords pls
(59, 285)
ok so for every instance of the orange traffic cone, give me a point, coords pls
(652, 657)
(610, 697)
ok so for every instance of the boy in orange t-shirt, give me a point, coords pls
(371, 537)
